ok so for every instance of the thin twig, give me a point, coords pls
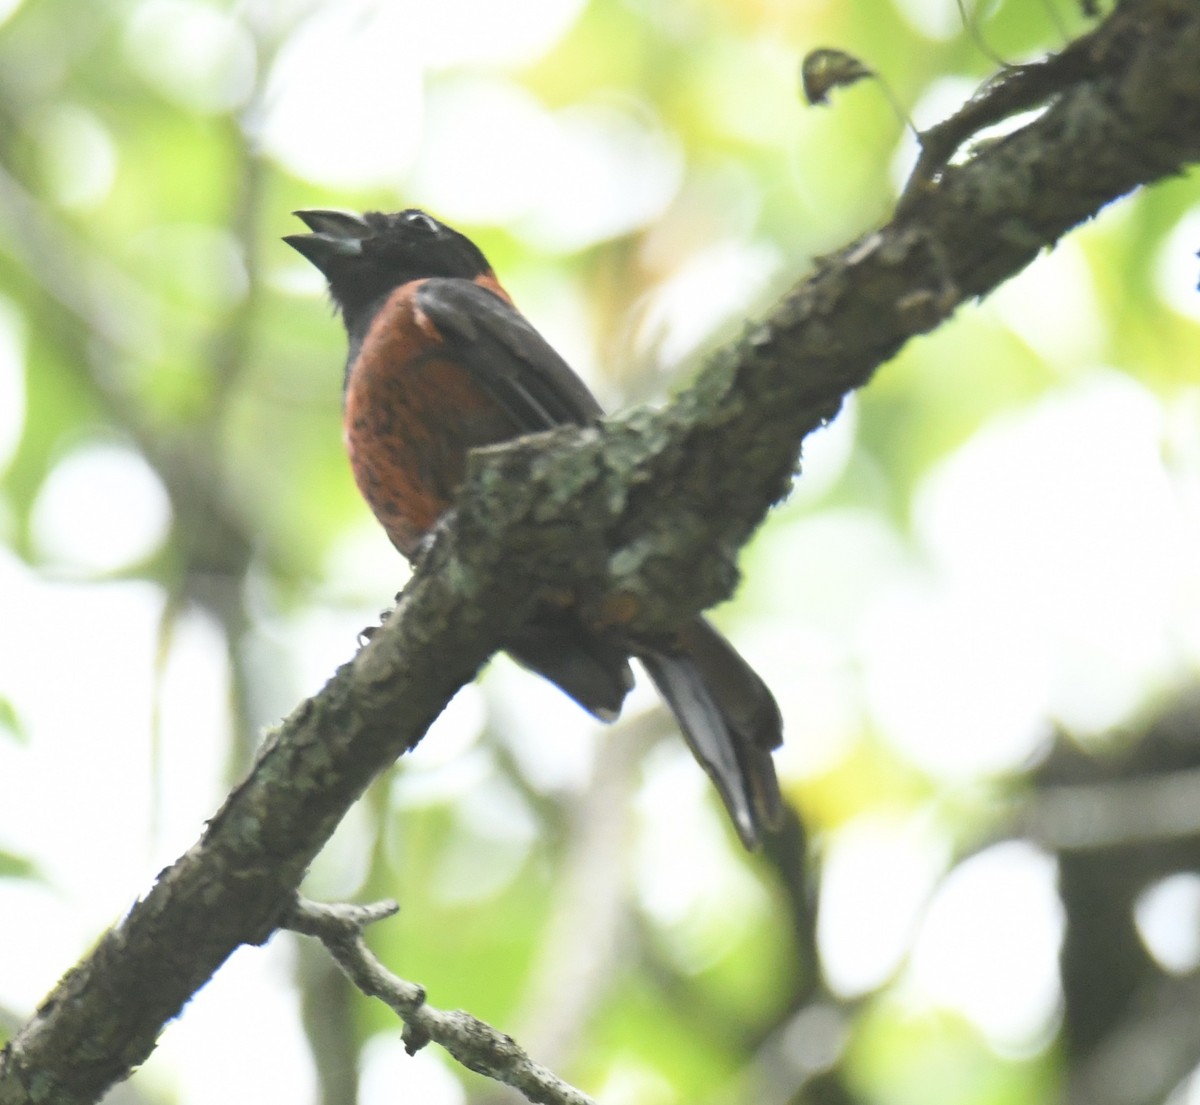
(478, 1046)
(1017, 89)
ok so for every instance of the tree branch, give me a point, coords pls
(638, 522)
(473, 1043)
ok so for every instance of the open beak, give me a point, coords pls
(336, 236)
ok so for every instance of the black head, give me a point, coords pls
(365, 257)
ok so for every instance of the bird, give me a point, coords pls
(440, 362)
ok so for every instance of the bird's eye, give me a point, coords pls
(419, 220)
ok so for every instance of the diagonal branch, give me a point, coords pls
(473, 1043)
(639, 521)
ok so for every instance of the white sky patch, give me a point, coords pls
(194, 733)
(710, 288)
(829, 568)
(877, 874)
(687, 868)
(1177, 268)
(141, 806)
(1059, 541)
(314, 641)
(482, 128)
(613, 169)
(249, 1015)
(362, 566)
(629, 1082)
(8, 8)
(957, 682)
(459, 727)
(935, 19)
(99, 811)
(1054, 307)
(568, 179)
(989, 944)
(550, 735)
(76, 798)
(1060, 584)
(820, 576)
(389, 1074)
(827, 452)
(342, 867)
(101, 508)
(1168, 921)
(815, 681)
(491, 32)
(41, 931)
(1182, 460)
(343, 102)
(194, 54)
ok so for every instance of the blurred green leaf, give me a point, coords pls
(17, 867)
(10, 721)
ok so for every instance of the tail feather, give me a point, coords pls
(730, 720)
(728, 715)
(592, 671)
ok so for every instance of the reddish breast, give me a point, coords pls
(412, 413)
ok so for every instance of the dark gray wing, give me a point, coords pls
(508, 357)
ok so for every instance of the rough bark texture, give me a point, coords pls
(639, 520)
